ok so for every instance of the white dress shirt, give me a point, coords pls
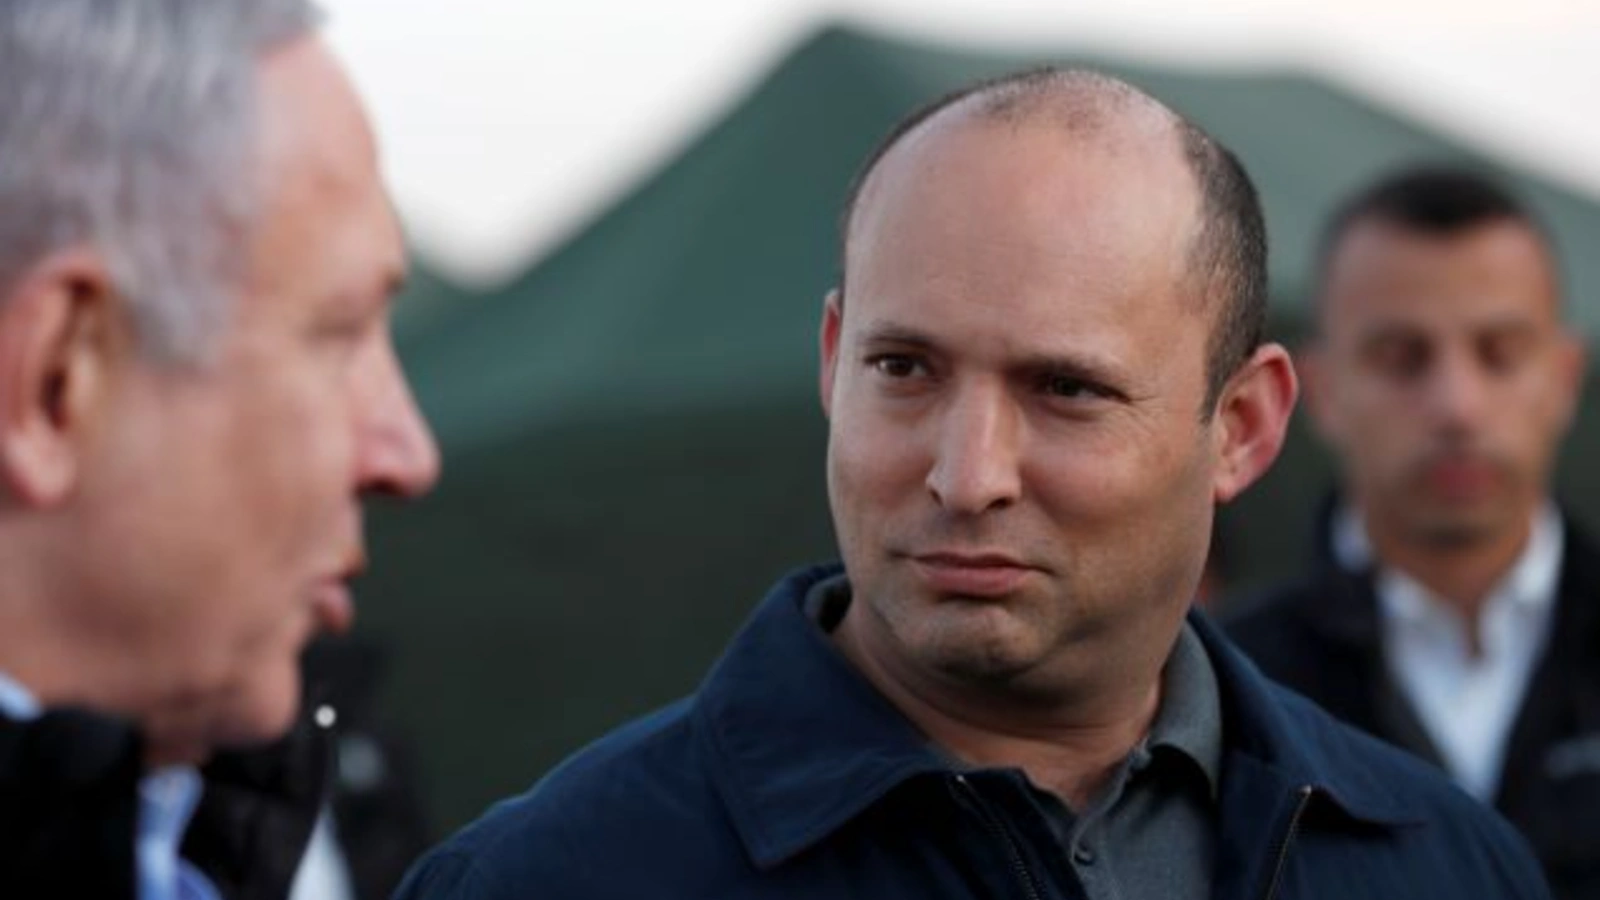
(167, 798)
(323, 873)
(1467, 703)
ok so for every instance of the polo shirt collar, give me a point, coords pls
(1189, 720)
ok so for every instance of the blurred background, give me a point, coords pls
(623, 215)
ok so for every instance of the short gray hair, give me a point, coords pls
(128, 126)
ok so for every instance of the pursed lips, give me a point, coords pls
(972, 573)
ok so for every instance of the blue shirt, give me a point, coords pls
(167, 798)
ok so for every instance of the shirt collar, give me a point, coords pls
(1189, 720)
(17, 701)
(1534, 581)
(167, 800)
(1352, 549)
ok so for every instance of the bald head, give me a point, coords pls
(1225, 267)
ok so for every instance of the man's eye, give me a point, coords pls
(1400, 359)
(1071, 388)
(1504, 353)
(895, 365)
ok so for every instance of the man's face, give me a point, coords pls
(224, 515)
(1443, 378)
(1019, 472)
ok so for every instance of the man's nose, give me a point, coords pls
(976, 458)
(396, 451)
(1457, 390)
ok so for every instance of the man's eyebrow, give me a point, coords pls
(892, 333)
(1074, 365)
(1513, 325)
(1383, 332)
(1071, 365)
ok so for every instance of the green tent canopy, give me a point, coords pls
(633, 446)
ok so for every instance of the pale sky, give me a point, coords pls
(508, 123)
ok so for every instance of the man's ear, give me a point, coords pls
(828, 344)
(1251, 419)
(1572, 355)
(58, 325)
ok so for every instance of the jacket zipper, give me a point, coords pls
(998, 829)
(1305, 792)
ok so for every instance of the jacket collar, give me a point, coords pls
(1292, 743)
(799, 743)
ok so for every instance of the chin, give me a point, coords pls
(980, 666)
(983, 649)
(260, 713)
(1460, 527)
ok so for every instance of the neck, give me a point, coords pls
(1460, 573)
(65, 666)
(1068, 744)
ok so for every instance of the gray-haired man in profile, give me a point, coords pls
(197, 386)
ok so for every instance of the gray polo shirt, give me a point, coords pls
(1151, 832)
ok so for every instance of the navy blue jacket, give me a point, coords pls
(788, 776)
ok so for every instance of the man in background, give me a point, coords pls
(197, 387)
(1042, 371)
(1454, 609)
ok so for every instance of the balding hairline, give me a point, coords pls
(1081, 103)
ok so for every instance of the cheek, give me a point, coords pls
(1112, 482)
(870, 459)
(294, 454)
(1540, 411)
(1372, 426)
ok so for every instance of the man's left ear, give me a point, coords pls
(1573, 355)
(1251, 419)
(58, 322)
